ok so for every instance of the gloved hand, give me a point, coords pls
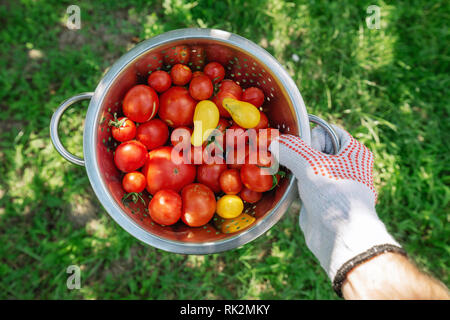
(338, 216)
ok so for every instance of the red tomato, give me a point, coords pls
(163, 172)
(178, 54)
(181, 135)
(153, 133)
(228, 89)
(215, 71)
(237, 158)
(223, 125)
(123, 129)
(197, 73)
(253, 177)
(134, 182)
(260, 158)
(230, 181)
(250, 196)
(130, 156)
(199, 205)
(231, 87)
(236, 137)
(209, 175)
(180, 74)
(198, 57)
(160, 81)
(141, 103)
(253, 95)
(201, 87)
(263, 121)
(177, 107)
(265, 137)
(165, 207)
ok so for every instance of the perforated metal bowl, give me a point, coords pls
(246, 63)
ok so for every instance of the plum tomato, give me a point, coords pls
(177, 107)
(163, 172)
(199, 204)
(250, 196)
(123, 129)
(140, 103)
(130, 156)
(153, 133)
(160, 81)
(165, 207)
(201, 87)
(215, 71)
(209, 174)
(256, 178)
(177, 54)
(134, 182)
(230, 181)
(253, 95)
(181, 74)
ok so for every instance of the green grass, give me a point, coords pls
(388, 87)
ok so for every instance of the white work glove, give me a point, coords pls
(338, 216)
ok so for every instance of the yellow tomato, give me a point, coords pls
(237, 224)
(229, 206)
(206, 118)
(243, 113)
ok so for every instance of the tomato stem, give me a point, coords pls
(116, 123)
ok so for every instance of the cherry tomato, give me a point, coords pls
(228, 89)
(134, 182)
(223, 125)
(201, 87)
(199, 204)
(141, 103)
(230, 181)
(123, 129)
(231, 87)
(256, 178)
(197, 73)
(177, 107)
(215, 71)
(160, 81)
(237, 158)
(265, 137)
(181, 135)
(178, 54)
(209, 175)
(253, 95)
(163, 172)
(236, 137)
(180, 74)
(153, 133)
(130, 156)
(250, 196)
(165, 207)
(263, 122)
(229, 206)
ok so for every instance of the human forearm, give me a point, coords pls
(391, 276)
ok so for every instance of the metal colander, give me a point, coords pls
(246, 63)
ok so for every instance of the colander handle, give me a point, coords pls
(329, 129)
(54, 123)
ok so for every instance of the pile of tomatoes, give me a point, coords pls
(158, 117)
